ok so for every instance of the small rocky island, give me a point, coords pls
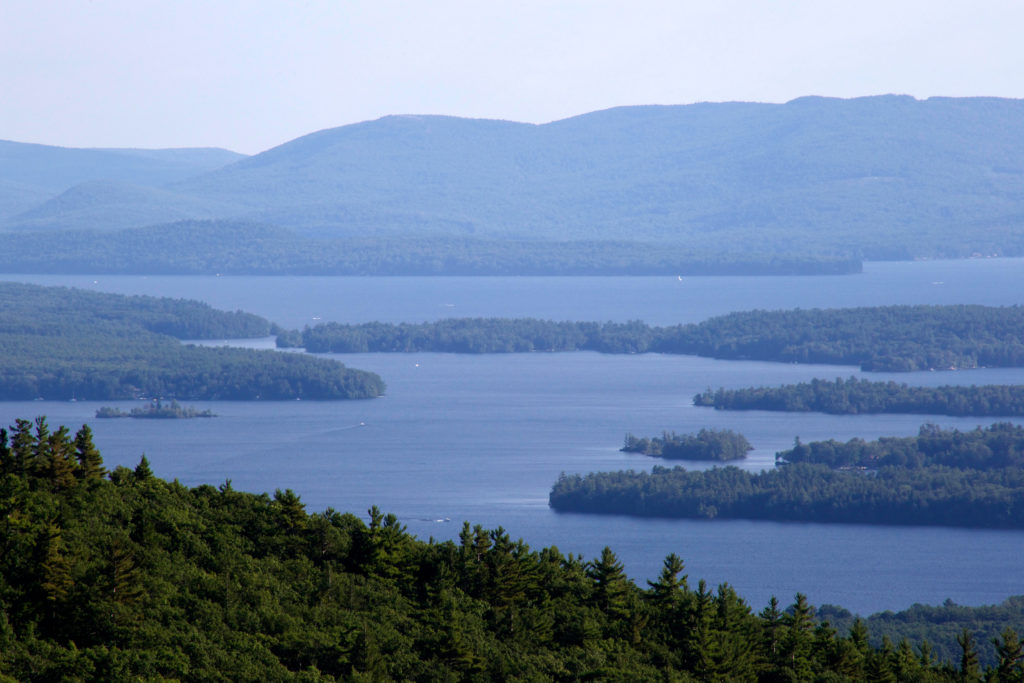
(156, 409)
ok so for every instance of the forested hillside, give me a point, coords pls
(817, 181)
(60, 343)
(880, 338)
(125, 576)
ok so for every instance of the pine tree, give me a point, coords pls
(142, 470)
(798, 639)
(23, 447)
(6, 457)
(56, 572)
(969, 670)
(62, 462)
(1010, 652)
(89, 459)
(610, 585)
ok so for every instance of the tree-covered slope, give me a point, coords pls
(40, 172)
(126, 577)
(60, 343)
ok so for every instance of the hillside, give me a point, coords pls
(815, 178)
(33, 174)
(60, 344)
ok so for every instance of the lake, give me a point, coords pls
(482, 438)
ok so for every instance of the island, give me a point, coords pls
(878, 338)
(156, 410)
(855, 396)
(939, 477)
(707, 444)
(62, 344)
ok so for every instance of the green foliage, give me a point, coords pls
(60, 343)
(860, 396)
(238, 248)
(132, 577)
(882, 338)
(707, 444)
(945, 478)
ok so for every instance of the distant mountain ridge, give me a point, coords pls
(875, 177)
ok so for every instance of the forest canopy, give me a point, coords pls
(122, 575)
(880, 338)
(938, 478)
(855, 396)
(59, 343)
(707, 444)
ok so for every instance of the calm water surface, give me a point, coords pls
(482, 438)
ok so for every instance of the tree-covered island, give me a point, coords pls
(939, 477)
(855, 396)
(156, 410)
(120, 575)
(880, 339)
(707, 444)
(60, 343)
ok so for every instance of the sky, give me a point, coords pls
(251, 74)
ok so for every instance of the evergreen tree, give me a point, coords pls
(63, 467)
(142, 470)
(1010, 651)
(90, 462)
(610, 585)
(969, 670)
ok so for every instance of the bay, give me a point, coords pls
(482, 438)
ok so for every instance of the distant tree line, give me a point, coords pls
(941, 626)
(156, 410)
(59, 343)
(239, 248)
(881, 339)
(855, 396)
(707, 444)
(121, 575)
(943, 478)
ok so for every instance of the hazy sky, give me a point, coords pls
(251, 74)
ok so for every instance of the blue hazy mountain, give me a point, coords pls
(32, 174)
(886, 177)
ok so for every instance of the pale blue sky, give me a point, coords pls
(251, 74)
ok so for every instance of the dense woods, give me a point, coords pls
(156, 410)
(859, 396)
(940, 477)
(707, 444)
(121, 575)
(881, 338)
(60, 343)
(239, 248)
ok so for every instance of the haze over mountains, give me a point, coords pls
(815, 178)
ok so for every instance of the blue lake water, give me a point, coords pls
(482, 438)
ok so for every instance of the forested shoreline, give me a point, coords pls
(122, 575)
(878, 339)
(240, 248)
(61, 344)
(855, 396)
(938, 478)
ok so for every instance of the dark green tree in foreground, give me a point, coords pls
(126, 576)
